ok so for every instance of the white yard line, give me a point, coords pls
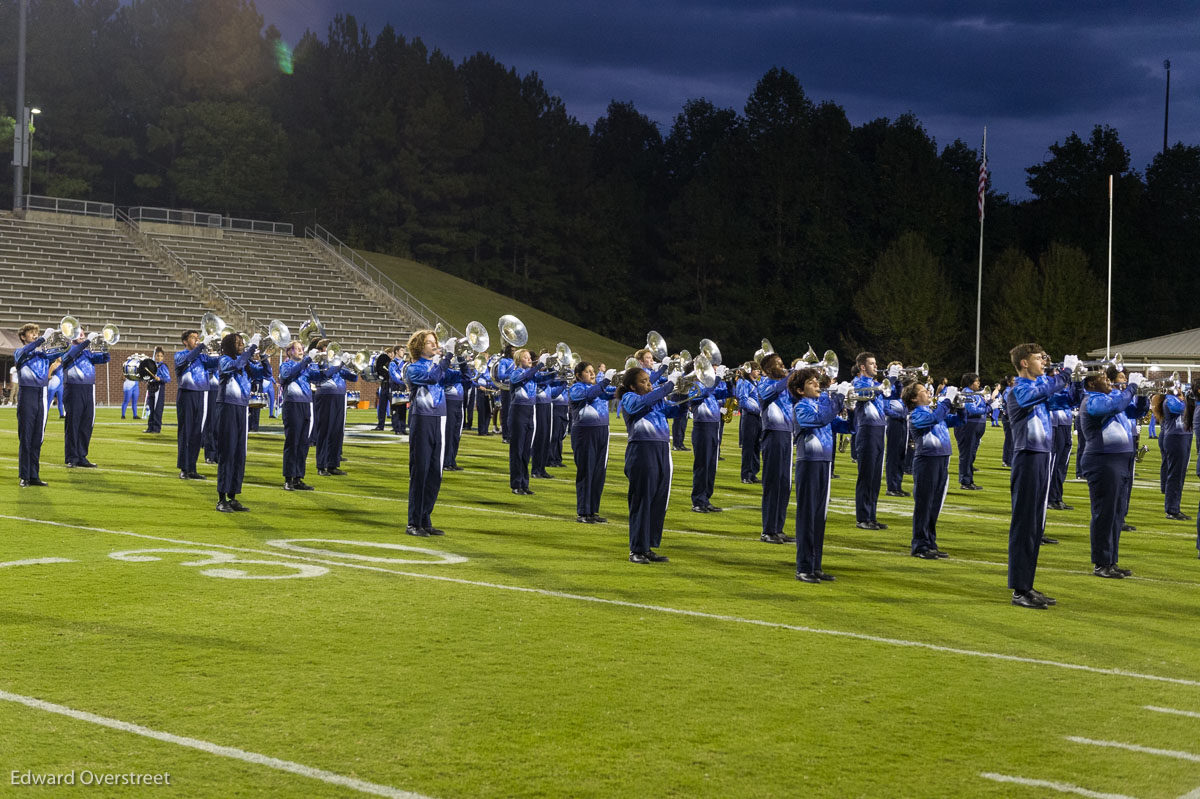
(231, 752)
(875, 639)
(1190, 714)
(1145, 750)
(1061, 787)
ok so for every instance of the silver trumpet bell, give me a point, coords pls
(476, 338)
(441, 332)
(361, 363)
(513, 331)
(710, 350)
(62, 334)
(107, 336)
(657, 345)
(921, 371)
(868, 393)
(829, 363)
(278, 337)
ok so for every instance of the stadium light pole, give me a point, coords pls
(30, 113)
(1167, 105)
(19, 134)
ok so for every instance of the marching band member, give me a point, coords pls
(589, 396)
(295, 387)
(262, 384)
(895, 438)
(1175, 439)
(1108, 466)
(869, 416)
(1006, 454)
(79, 395)
(129, 397)
(931, 461)
(469, 403)
(503, 369)
(400, 393)
(55, 387)
(1130, 419)
(647, 459)
(1030, 479)
(750, 423)
(156, 393)
(485, 390)
(427, 378)
(968, 433)
(212, 411)
(329, 413)
(814, 413)
(706, 441)
(560, 411)
(455, 388)
(235, 369)
(33, 401)
(523, 381)
(543, 422)
(775, 402)
(1061, 406)
(192, 365)
(383, 399)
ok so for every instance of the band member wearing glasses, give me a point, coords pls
(589, 396)
(192, 365)
(329, 412)
(1032, 438)
(79, 394)
(929, 430)
(236, 367)
(295, 375)
(156, 393)
(427, 376)
(647, 459)
(33, 403)
(814, 415)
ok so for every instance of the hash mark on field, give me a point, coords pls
(35, 562)
(1145, 750)
(1061, 787)
(1190, 714)
(231, 752)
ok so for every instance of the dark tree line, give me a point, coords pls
(780, 220)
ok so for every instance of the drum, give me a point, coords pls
(378, 365)
(352, 398)
(399, 398)
(139, 367)
(259, 399)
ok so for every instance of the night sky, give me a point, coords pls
(1032, 71)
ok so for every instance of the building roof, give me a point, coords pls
(1182, 346)
(9, 343)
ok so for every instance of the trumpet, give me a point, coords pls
(277, 337)
(1091, 368)
(107, 336)
(1165, 385)
(702, 374)
(868, 393)
(62, 334)
(921, 371)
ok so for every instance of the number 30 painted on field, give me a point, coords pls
(213, 558)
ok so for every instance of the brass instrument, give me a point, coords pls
(709, 350)
(513, 331)
(63, 334)
(1165, 385)
(107, 336)
(657, 345)
(702, 374)
(766, 349)
(277, 337)
(311, 328)
(213, 329)
(867, 393)
(730, 408)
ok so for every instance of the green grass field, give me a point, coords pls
(460, 301)
(542, 663)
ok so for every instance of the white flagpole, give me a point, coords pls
(979, 282)
(1108, 334)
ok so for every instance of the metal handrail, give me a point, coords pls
(61, 205)
(204, 219)
(158, 249)
(369, 271)
(257, 226)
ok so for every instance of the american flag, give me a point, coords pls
(982, 183)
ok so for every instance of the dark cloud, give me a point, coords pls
(1032, 71)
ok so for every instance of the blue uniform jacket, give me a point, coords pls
(646, 414)
(705, 403)
(295, 377)
(975, 411)
(872, 413)
(428, 379)
(813, 425)
(162, 374)
(33, 364)
(589, 403)
(234, 375)
(332, 380)
(1028, 416)
(746, 391)
(79, 364)
(928, 428)
(1061, 405)
(1103, 421)
(1172, 412)
(775, 404)
(523, 383)
(192, 367)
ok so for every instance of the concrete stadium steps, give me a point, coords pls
(97, 275)
(278, 277)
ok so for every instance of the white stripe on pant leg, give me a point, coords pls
(670, 471)
(1046, 497)
(945, 490)
(92, 424)
(828, 488)
(45, 411)
(607, 438)
(442, 449)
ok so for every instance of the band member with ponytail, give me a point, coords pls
(647, 459)
(969, 432)
(1108, 466)
(295, 375)
(33, 403)
(156, 393)
(523, 380)
(589, 396)
(427, 428)
(928, 427)
(192, 365)
(1030, 479)
(750, 421)
(1175, 439)
(814, 413)
(775, 402)
(79, 395)
(236, 368)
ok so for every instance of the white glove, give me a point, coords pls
(1070, 362)
(450, 345)
(257, 337)
(894, 371)
(610, 374)
(545, 356)
(675, 376)
(844, 388)
(1136, 379)
(721, 371)
(951, 392)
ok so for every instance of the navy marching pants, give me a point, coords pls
(156, 396)
(1177, 450)
(812, 507)
(191, 409)
(454, 428)
(931, 480)
(483, 411)
(897, 448)
(1006, 454)
(968, 437)
(80, 401)
(543, 425)
(705, 443)
(776, 480)
(383, 403)
(297, 427)
(1080, 448)
(230, 433)
(330, 413)
(648, 468)
(521, 423)
(426, 449)
(33, 405)
(1107, 477)
(1062, 459)
(1030, 482)
(750, 437)
(212, 411)
(870, 468)
(559, 416)
(506, 414)
(469, 406)
(678, 429)
(589, 446)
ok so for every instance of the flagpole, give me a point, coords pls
(979, 282)
(1108, 334)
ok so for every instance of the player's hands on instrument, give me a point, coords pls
(951, 393)
(844, 388)
(255, 339)
(1070, 362)
(1135, 379)
(451, 345)
(894, 371)
(610, 374)
(674, 377)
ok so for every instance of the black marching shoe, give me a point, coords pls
(584, 519)
(323, 472)
(334, 472)
(1123, 572)
(224, 507)
(1060, 506)
(770, 538)
(33, 482)
(70, 464)
(1108, 572)
(970, 487)
(1027, 599)
(926, 554)
(1127, 528)
(806, 577)
(412, 529)
(210, 461)
(238, 506)
(713, 508)
(638, 557)
(1046, 600)
(86, 464)
(300, 485)
(654, 557)
(1179, 517)
(523, 491)
(289, 485)
(823, 577)
(897, 494)
(699, 509)
(1048, 540)
(787, 539)
(598, 519)
(747, 481)
(435, 531)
